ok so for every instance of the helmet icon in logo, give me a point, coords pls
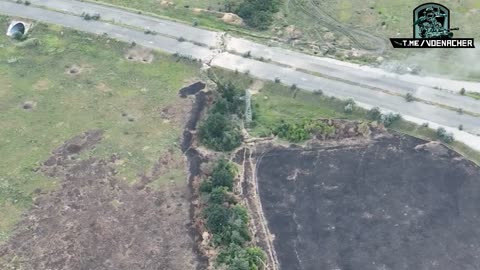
(432, 20)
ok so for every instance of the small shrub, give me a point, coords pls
(350, 101)
(409, 97)
(195, 23)
(388, 119)
(444, 136)
(206, 186)
(374, 114)
(318, 92)
(348, 108)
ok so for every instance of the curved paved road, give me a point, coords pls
(349, 74)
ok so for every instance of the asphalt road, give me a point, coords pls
(343, 80)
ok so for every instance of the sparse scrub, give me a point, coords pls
(318, 92)
(409, 97)
(348, 108)
(444, 136)
(374, 114)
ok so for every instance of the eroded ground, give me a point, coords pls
(380, 205)
(96, 221)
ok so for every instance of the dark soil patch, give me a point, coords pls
(192, 89)
(95, 221)
(383, 205)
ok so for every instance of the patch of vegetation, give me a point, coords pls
(474, 95)
(66, 105)
(275, 103)
(386, 119)
(223, 175)
(297, 132)
(220, 131)
(228, 220)
(258, 13)
(445, 136)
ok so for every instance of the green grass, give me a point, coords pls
(474, 95)
(178, 11)
(68, 105)
(275, 102)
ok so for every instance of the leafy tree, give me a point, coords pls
(223, 175)
(219, 133)
(217, 218)
(219, 195)
(206, 186)
(258, 13)
(444, 136)
(374, 114)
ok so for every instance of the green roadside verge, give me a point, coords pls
(275, 102)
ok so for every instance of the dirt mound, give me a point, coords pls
(73, 70)
(140, 54)
(293, 32)
(95, 221)
(435, 148)
(232, 18)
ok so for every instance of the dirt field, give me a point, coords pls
(369, 206)
(96, 221)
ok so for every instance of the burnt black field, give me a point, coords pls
(381, 206)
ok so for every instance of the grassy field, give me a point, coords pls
(275, 102)
(108, 92)
(182, 10)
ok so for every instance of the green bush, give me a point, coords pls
(219, 195)
(444, 136)
(374, 114)
(298, 132)
(228, 221)
(248, 258)
(220, 133)
(223, 175)
(258, 13)
(206, 186)
(388, 119)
